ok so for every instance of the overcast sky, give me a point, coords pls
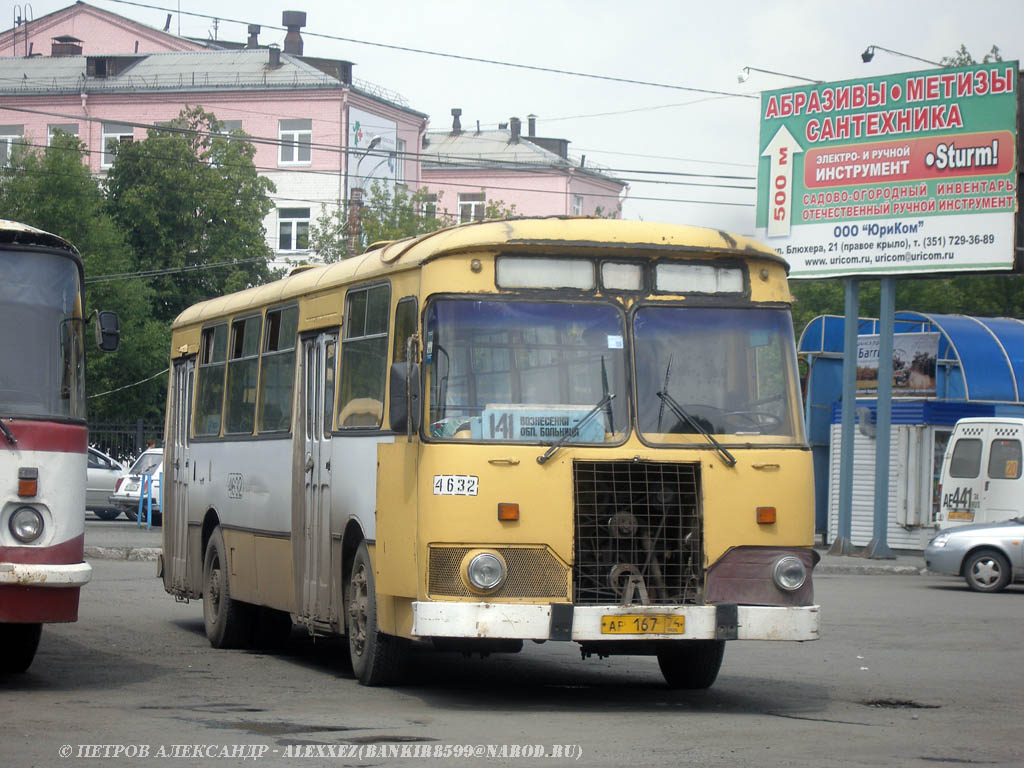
(625, 127)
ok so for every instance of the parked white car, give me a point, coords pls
(102, 474)
(149, 465)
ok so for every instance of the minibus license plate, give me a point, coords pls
(640, 624)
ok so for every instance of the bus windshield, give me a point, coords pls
(41, 353)
(526, 371)
(728, 371)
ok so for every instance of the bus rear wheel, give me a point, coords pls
(377, 658)
(691, 664)
(18, 643)
(228, 621)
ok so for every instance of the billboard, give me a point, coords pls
(909, 173)
(372, 149)
(914, 357)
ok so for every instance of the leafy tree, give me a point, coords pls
(53, 190)
(963, 58)
(192, 205)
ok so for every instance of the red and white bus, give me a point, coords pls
(43, 436)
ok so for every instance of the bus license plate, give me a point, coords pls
(640, 624)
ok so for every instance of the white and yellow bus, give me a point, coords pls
(538, 429)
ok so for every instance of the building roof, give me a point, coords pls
(494, 149)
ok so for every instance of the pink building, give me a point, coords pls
(318, 131)
(468, 168)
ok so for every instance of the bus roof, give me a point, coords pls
(569, 235)
(16, 233)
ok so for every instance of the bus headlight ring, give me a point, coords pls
(485, 571)
(789, 573)
(26, 524)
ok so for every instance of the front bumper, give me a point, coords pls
(535, 622)
(946, 560)
(36, 575)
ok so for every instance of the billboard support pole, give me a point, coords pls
(842, 545)
(878, 547)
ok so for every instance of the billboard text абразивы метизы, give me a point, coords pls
(909, 173)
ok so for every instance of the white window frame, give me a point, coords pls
(472, 206)
(399, 161)
(296, 141)
(115, 133)
(292, 218)
(577, 205)
(69, 128)
(9, 136)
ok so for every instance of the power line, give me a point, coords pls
(457, 57)
(129, 386)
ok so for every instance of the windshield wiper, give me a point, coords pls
(574, 432)
(8, 434)
(677, 409)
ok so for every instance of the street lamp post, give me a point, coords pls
(744, 75)
(869, 54)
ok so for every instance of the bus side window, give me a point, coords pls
(243, 366)
(405, 326)
(210, 380)
(277, 370)
(364, 357)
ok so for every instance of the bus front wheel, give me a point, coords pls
(691, 664)
(228, 621)
(18, 643)
(377, 658)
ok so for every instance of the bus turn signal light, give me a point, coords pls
(508, 512)
(765, 515)
(28, 481)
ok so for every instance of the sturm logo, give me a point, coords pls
(235, 485)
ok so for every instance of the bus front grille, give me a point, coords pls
(533, 572)
(637, 533)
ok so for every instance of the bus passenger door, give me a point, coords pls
(179, 471)
(319, 366)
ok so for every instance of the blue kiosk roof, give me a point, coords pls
(983, 358)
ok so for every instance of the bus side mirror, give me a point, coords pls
(108, 331)
(404, 406)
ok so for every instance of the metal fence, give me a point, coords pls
(126, 441)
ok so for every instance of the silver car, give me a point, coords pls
(102, 473)
(988, 555)
(146, 471)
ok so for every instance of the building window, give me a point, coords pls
(71, 129)
(293, 229)
(471, 206)
(400, 161)
(9, 136)
(428, 208)
(577, 205)
(230, 126)
(296, 138)
(115, 134)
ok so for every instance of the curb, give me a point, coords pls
(868, 570)
(122, 553)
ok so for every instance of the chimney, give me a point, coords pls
(294, 20)
(275, 56)
(65, 45)
(254, 33)
(456, 123)
(531, 122)
(515, 124)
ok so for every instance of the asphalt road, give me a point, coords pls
(913, 671)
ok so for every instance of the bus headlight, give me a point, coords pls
(26, 524)
(485, 572)
(789, 573)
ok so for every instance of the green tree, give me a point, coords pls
(52, 189)
(192, 205)
(385, 215)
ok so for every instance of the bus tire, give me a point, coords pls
(377, 658)
(691, 664)
(18, 643)
(228, 621)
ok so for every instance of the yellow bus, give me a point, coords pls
(560, 429)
